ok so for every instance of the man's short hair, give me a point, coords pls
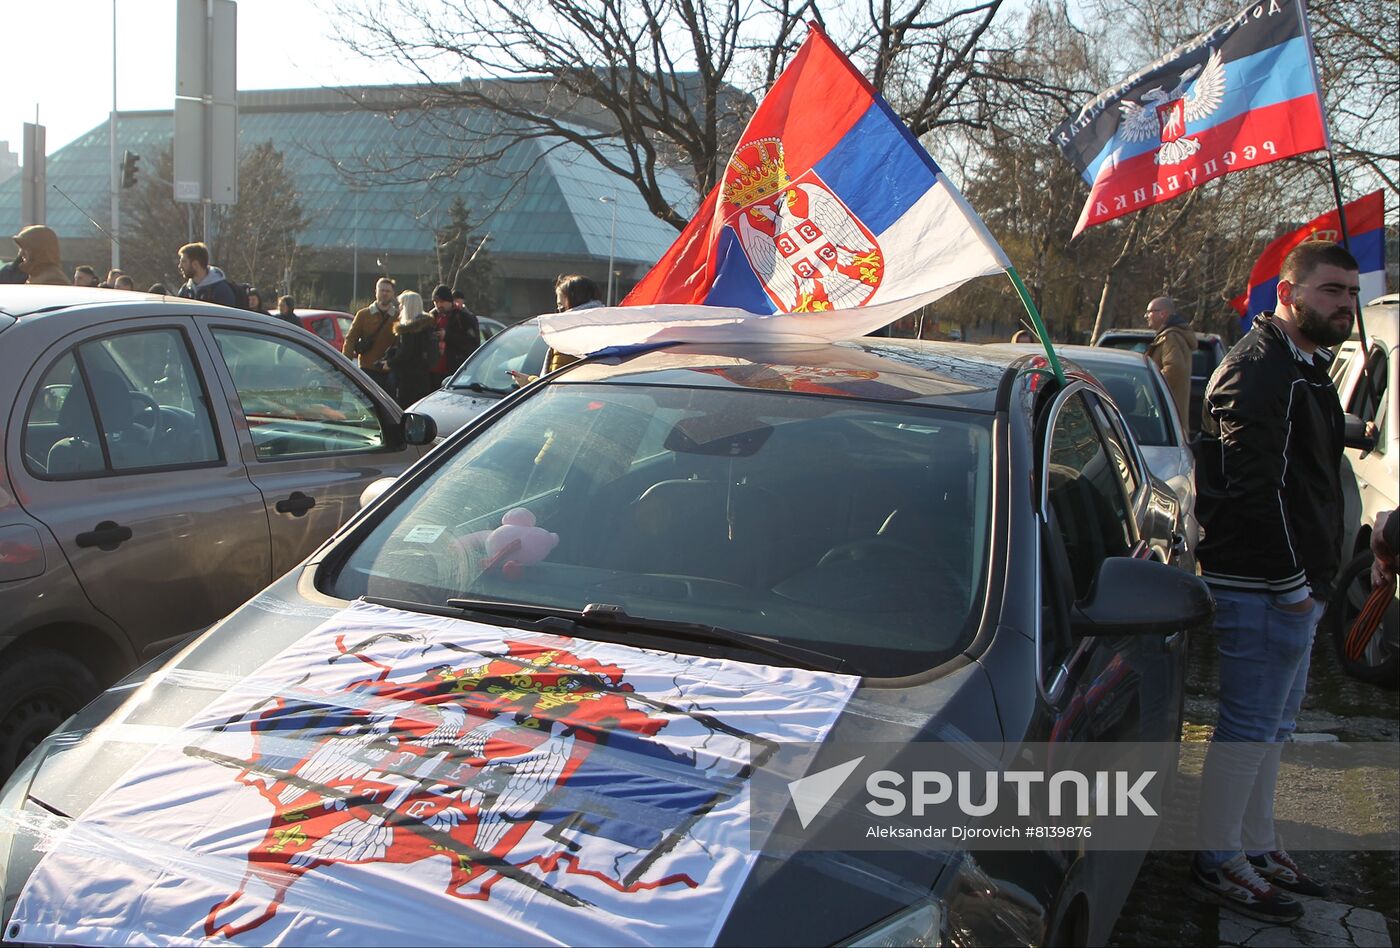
(576, 289)
(388, 280)
(291, 303)
(85, 270)
(1303, 259)
(442, 292)
(198, 252)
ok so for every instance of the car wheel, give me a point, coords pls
(1380, 664)
(38, 692)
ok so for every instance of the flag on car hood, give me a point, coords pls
(830, 221)
(1366, 237)
(394, 778)
(1242, 94)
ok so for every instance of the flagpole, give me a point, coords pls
(1040, 329)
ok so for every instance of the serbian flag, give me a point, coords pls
(1366, 232)
(1242, 94)
(830, 221)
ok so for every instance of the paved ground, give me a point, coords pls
(1365, 907)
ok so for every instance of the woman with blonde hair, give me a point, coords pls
(414, 350)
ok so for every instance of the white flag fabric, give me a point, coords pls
(393, 778)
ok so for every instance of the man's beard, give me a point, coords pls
(1318, 327)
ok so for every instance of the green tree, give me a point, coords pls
(253, 241)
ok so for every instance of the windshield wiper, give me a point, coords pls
(606, 616)
(478, 387)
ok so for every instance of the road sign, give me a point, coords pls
(206, 101)
(35, 184)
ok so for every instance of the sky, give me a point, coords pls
(64, 64)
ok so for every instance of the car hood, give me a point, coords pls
(115, 757)
(452, 409)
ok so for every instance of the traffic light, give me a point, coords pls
(129, 162)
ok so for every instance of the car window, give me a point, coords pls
(296, 402)
(489, 367)
(1140, 401)
(1083, 483)
(138, 393)
(1132, 343)
(323, 327)
(1204, 360)
(1124, 459)
(1369, 394)
(878, 554)
(344, 322)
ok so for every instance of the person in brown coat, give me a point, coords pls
(1171, 349)
(38, 255)
(372, 333)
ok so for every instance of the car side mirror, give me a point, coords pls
(376, 487)
(1142, 597)
(418, 429)
(1354, 434)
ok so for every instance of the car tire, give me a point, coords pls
(1381, 664)
(38, 692)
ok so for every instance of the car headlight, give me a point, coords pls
(919, 924)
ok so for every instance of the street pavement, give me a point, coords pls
(1364, 910)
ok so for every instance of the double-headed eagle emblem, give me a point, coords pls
(1164, 115)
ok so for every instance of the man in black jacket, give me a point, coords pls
(1270, 503)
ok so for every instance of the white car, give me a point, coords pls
(1369, 479)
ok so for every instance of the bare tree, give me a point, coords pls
(640, 87)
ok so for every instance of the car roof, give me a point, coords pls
(1087, 356)
(28, 299)
(1148, 334)
(944, 373)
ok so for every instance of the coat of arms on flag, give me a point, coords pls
(397, 778)
(810, 252)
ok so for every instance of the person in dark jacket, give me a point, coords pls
(414, 351)
(1269, 499)
(203, 282)
(1385, 545)
(287, 311)
(459, 332)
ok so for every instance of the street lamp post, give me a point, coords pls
(355, 262)
(612, 240)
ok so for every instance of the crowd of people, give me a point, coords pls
(406, 348)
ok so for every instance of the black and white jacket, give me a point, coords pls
(1268, 481)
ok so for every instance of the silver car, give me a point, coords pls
(164, 460)
(1136, 385)
(485, 378)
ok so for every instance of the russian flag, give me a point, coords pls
(830, 221)
(1242, 94)
(1366, 238)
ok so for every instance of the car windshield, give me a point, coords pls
(852, 528)
(1131, 343)
(489, 367)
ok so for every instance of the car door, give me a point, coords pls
(311, 436)
(135, 470)
(1100, 689)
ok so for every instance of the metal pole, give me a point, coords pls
(612, 242)
(355, 266)
(112, 135)
(208, 189)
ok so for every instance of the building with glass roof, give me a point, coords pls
(548, 206)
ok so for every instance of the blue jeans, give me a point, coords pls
(1264, 654)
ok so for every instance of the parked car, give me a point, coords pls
(485, 378)
(329, 324)
(602, 586)
(1137, 387)
(1210, 352)
(490, 327)
(163, 461)
(1370, 482)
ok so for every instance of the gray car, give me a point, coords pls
(164, 460)
(485, 378)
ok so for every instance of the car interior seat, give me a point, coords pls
(705, 528)
(76, 449)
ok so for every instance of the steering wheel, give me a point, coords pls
(871, 548)
(146, 420)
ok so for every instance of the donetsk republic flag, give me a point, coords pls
(1244, 93)
(831, 220)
